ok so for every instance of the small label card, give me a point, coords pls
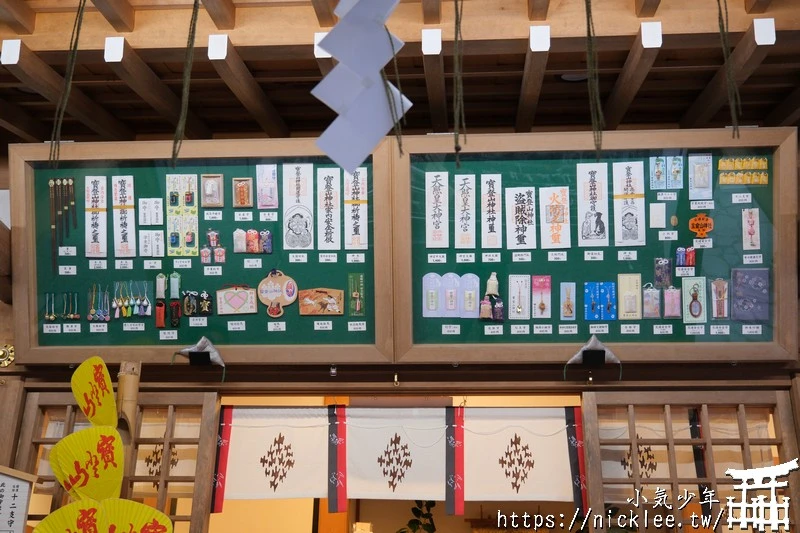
(521, 257)
(629, 329)
(212, 271)
(168, 335)
(323, 325)
(123, 264)
(252, 262)
(465, 258)
(662, 329)
(152, 264)
(357, 326)
(543, 329)
(703, 243)
(437, 259)
(747, 329)
(667, 235)
(328, 258)
(491, 257)
(237, 325)
(520, 329)
(198, 321)
(181, 263)
(450, 329)
(684, 271)
(696, 329)
(494, 329)
(243, 216)
(598, 329)
(593, 255)
(268, 216)
(627, 255)
(67, 251)
(741, 198)
(212, 215)
(356, 258)
(720, 329)
(752, 259)
(667, 196)
(696, 205)
(67, 270)
(276, 326)
(568, 329)
(51, 328)
(556, 256)
(298, 258)
(133, 326)
(72, 328)
(98, 264)
(98, 327)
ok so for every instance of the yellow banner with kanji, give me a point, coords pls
(92, 388)
(89, 464)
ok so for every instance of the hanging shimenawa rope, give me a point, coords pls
(595, 104)
(734, 99)
(398, 128)
(61, 108)
(187, 81)
(459, 123)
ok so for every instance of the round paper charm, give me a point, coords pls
(276, 291)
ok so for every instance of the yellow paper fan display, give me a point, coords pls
(92, 388)
(127, 515)
(77, 517)
(90, 463)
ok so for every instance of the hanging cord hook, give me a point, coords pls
(398, 128)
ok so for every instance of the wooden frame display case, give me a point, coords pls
(352, 324)
(446, 252)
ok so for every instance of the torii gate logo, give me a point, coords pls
(758, 512)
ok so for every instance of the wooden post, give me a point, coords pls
(12, 398)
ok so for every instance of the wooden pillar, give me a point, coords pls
(12, 398)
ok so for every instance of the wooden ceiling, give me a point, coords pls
(262, 87)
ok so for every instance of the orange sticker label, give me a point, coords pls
(700, 225)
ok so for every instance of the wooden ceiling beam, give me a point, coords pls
(433, 63)
(31, 70)
(646, 8)
(18, 15)
(131, 69)
(324, 60)
(324, 10)
(16, 120)
(119, 13)
(240, 81)
(536, 56)
(787, 113)
(755, 7)
(745, 59)
(537, 9)
(432, 11)
(222, 12)
(640, 60)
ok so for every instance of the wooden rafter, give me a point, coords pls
(324, 59)
(432, 11)
(324, 11)
(756, 6)
(745, 58)
(787, 113)
(437, 96)
(233, 71)
(18, 15)
(129, 66)
(532, 78)
(637, 66)
(537, 9)
(16, 120)
(222, 12)
(119, 13)
(31, 70)
(646, 8)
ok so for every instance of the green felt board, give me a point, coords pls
(558, 169)
(150, 182)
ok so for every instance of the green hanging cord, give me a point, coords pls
(734, 98)
(593, 82)
(61, 108)
(187, 80)
(398, 128)
(458, 82)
